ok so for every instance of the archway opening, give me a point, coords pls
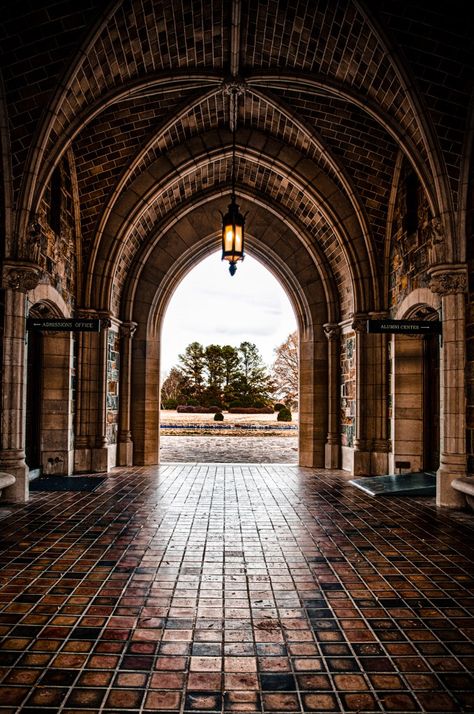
(222, 339)
(49, 398)
(415, 394)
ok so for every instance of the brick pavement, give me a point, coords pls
(229, 449)
(262, 589)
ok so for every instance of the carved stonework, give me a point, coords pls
(21, 276)
(359, 323)
(332, 331)
(33, 239)
(436, 242)
(128, 329)
(448, 279)
(233, 88)
(105, 323)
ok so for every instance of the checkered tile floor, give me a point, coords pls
(235, 588)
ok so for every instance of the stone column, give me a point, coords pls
(333, 440)
(84, 439)
(18, 278)
(100, 451)
(377, 392)
(450, 281)
(361, 464)
(125, 445)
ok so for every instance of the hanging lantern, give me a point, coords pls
(233, 235)
(233, 224)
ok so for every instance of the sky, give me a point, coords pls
(212, 307)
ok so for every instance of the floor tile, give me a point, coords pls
(234, 588)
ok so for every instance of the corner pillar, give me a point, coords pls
(100, 452)
(332, 448)
(361, 463)
(377, 388)
(125, 442)
(19, 277)
(450, 282)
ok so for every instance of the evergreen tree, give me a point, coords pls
(192, 367)
(254, 384)
(215, 372)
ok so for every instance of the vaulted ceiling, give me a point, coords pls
(331, 93)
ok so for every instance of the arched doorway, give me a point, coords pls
(310, 302)
(218, 341)
(415, 397)
(49, 405)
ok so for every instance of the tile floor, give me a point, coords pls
(235, 588)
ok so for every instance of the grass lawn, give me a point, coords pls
(174, 424)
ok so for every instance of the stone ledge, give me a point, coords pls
(465, 484)
(6, 480)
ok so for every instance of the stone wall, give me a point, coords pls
(52, 239)
(348, 389)
(411, 233)
(113, 375)
(470, 329)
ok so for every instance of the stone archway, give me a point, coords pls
(415, 396)
(49, 405)
(314, 303)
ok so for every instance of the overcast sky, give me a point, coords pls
(212, 307)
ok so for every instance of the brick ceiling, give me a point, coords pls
(344, 83)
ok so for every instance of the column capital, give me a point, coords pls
(105, 319)
(359, 322)
(332, 331)
(21, 275)
(448, 278)
(128, 329)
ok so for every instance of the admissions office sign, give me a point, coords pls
(405, 327)
(62, 325)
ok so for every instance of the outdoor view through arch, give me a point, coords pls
(229, 368)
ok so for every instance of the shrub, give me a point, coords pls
(218, 416)
(250, 410)
(284, 415)
(278, 407)
(214, 409)
(170, 404)
(234, 404)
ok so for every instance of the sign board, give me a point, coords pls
(64, 324)
(405, 327)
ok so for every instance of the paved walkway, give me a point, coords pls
(204, 588)
(229, 449)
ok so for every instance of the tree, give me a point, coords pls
(215, 372)
(172, 387)
(254, 383)
(192, 367)
(285, 371)
(231, 361)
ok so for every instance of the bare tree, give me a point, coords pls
(285, 371)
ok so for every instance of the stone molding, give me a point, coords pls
(436, 242)
(86, 313)
(128, 329)
(359, 322)
(21, 276)
(449, 279)
(332, 331)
